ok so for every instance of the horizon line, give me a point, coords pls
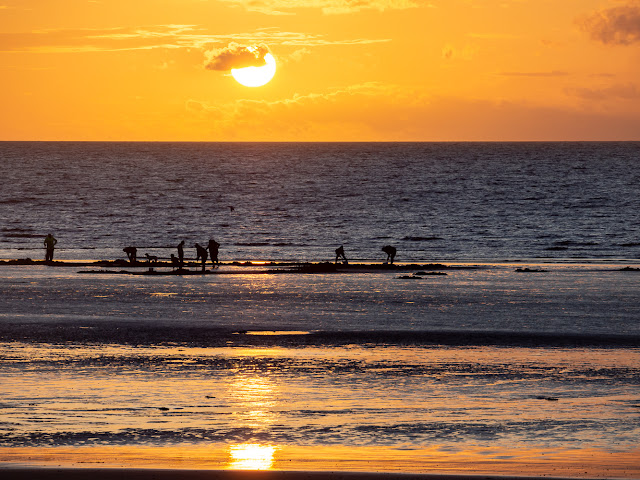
(321, 141)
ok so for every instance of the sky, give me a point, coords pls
(347, 70)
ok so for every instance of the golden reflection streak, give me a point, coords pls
(251, 456)
(255, 397)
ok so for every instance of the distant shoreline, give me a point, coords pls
(320, 142)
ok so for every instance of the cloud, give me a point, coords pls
(329, 7)
(374, 112)
(157, 37)
(494, 36)
(554, 73)
(306, 116)
(297, 55)
(449, 52)
(624, 92)
(235, 55)
(614, 26)
(98, 40)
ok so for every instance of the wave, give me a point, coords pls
(22, 235)
(575, 243)
(568, 244)
(357, 434)
(16, 201)
(17, 230)
(421, 239)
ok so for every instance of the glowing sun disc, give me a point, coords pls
(256, 76)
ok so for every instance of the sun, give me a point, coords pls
(256, 76)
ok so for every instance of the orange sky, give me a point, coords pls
(348, 70)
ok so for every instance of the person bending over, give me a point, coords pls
(340, 255)
(132, 253)
(391, 253)
(201, 254)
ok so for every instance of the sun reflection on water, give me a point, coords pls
(251, 456)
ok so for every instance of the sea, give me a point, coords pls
(518, 343)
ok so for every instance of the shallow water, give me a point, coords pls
(590, 300)
(478, 358)
(353, 395)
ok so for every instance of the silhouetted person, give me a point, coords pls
(391, 253)
(201, 254)
(213, 251)
(180, 254)
(49, 245)
(340, 255)
(132, 253)
(175, 263)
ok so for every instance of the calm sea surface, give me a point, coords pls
(480, 358)
(433, 201)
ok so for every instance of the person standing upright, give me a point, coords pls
(213, 248)
(181, 254)
(49, 244)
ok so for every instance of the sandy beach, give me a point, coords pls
(322, 463)
(262, 462)
(156, 474)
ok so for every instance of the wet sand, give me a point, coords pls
(312, 463)
(155, 474)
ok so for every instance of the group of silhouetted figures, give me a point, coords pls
(202, 253)
(388, 249)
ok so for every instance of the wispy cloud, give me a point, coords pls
(554, 73)
(614, 26)
(449, 52)
(96, 40)
(158, 37)
(620, 92)
(493, 36)
(401, 114)
(329, 7)
(302, 114)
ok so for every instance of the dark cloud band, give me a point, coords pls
(236, 56)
